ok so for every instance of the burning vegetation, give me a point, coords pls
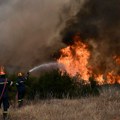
(91, 33)
(76, 61)
(93, 42)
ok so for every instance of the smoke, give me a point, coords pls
(29, 32)
(99, 25)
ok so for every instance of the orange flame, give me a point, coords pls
(112, 78)
(99, 78)
(75, 59)
(117, 59)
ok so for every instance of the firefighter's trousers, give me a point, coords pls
(5, 102)
(21, 95)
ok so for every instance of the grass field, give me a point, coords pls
(104, 107)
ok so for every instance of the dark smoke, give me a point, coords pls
(98, 22)
(29, 32)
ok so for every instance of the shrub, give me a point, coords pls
(53, 84)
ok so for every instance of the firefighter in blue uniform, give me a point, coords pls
(20, 83)
(4, 83)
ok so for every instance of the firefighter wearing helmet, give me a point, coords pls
(20, 83)
(4, 83)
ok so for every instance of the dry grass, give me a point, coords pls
(104, 107)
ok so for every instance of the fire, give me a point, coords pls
(113, 78)
(117, 59)
(75, 59)
(99, 78)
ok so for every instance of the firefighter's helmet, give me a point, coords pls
(2, 73)
(2, 70)
(20, 74)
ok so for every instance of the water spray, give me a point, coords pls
(52, 65)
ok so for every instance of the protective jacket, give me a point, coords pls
(20, 83)
(4, 82)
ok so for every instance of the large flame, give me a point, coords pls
(75, 59)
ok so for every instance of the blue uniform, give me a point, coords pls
(21, 88)
(4, 83)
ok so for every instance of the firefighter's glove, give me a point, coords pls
(28, 73)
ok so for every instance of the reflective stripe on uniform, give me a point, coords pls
(21, 81)
(5, 111)
(1, 83)
(20, 100)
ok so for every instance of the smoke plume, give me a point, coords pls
(98, 23)
(28, 32)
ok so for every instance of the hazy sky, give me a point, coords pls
(28, 31)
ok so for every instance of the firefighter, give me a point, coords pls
(20, 83)
(4, 83)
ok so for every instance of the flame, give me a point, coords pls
(113, 78)
(75, 59)
(117, 59)
(99, 78)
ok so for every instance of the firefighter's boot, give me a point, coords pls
(20, 103)
(5, 116)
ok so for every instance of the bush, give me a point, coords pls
(53, 84)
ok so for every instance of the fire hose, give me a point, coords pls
(3, 89)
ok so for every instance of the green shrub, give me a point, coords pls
(54, 85)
